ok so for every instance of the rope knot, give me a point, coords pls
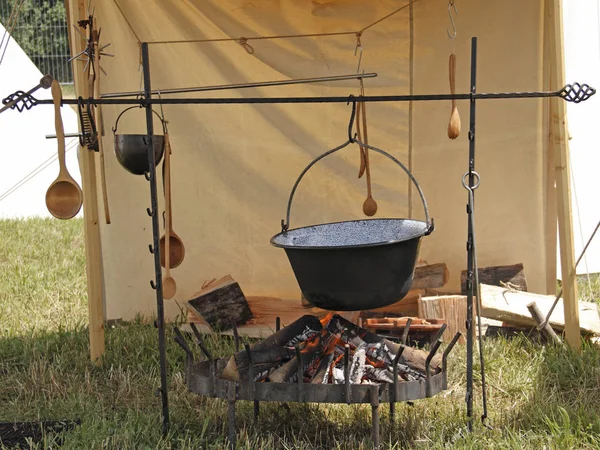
(244, 43)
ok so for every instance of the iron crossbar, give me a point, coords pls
(572, 92)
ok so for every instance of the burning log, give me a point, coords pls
(238, 366)
(322, 374)
(357, 365)
(414, 358)
(321, 347)
(301, 330)
(311, 352)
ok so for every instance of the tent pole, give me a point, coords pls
(93, 249)
(560, 146)
(153, 212)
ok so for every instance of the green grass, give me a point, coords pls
(539, 396)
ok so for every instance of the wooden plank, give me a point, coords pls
(430, 276)
(451, 308)
(497, 275)
(76, 9)
(560, 145)
(511, 307)
(408, 306)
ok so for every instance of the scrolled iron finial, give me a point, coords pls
(576, 92)
(20, 101)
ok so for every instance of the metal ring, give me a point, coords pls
(464, 182)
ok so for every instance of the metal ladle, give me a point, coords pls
(64, 197)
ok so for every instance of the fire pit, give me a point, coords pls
(330, 360)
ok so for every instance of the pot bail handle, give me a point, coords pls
(162, 121)
(286, 224)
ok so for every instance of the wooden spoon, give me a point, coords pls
(169, 285)
(64, 197)
(176, 248)
(454, 124)
(95, 87)
(370, 205)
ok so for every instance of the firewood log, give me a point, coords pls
(513, 275)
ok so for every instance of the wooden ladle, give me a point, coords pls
(176, 248)
(370, 205)
(169, 285)
(64, 197)
(454, 124)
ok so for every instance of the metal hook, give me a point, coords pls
(352, 115)
(358, 47)
(452, 5)
(162, 113)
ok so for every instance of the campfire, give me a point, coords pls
(327, 360)
(327, 351)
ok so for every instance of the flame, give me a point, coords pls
(334, 342)
(325, 320)
(311, 344)
(374, 363)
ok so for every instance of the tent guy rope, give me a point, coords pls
(243, 40)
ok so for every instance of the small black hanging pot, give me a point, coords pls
(132, 149)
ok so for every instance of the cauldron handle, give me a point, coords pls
(285, 225)
(162, 121)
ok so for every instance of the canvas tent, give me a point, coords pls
(234, 165)
(30, 162)
(582, 60)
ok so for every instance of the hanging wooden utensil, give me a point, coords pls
(176, 247)
(169, 285)
(64, 197)
(454, 124)
(370, 205)
(361, 149)
(99, 124)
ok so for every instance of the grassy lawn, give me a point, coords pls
(539, 396)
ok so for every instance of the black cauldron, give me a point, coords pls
(354, 265)
(132, 149)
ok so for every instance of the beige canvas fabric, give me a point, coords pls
(233, 166)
